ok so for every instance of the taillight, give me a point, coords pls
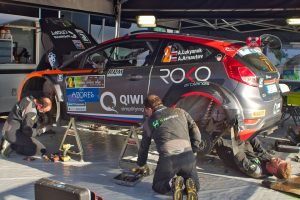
(240, 72)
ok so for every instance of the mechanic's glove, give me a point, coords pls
(40, 131)
(144, 170)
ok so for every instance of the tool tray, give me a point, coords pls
(127, 179)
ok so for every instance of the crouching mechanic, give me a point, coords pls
(20, 128)
(252, 159)
(177, 137)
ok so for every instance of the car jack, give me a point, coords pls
(72, 132)
(131, 140)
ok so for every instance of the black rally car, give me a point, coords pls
(217, 81)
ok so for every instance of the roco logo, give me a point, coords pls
(179, 72)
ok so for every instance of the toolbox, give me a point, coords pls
(46, 189)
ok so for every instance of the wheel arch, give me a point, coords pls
(36, 86)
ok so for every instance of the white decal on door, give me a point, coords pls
(113, 101)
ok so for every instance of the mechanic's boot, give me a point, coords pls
(5, 148)
(177, 186)
(191, 189)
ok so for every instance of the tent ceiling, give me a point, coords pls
(241, 16)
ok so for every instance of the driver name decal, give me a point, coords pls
(172, 54)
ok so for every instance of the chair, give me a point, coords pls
(291, 105)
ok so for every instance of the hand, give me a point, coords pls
(40, 131)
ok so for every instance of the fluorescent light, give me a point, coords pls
(146, 21)
(293, 21)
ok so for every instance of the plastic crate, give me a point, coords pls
(293, 98)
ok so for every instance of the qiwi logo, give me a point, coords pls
(108, 102)
(178, 75)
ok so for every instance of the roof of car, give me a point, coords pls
(224, 45)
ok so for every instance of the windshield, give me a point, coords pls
(253, 57)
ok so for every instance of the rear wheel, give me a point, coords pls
(210, 118)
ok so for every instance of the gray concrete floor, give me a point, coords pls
(100, 166)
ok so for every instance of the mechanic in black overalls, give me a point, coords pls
(20, 129)
(177, 137)
(252, 159)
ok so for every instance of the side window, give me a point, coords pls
(129, 53)
(98, 59)
(181, 52)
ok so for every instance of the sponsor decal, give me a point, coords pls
(246, 51)
(232, 48)
(83, 36)
(52, 59)
(219, 57)
(62, 34)
(173, 55)
(78, 44)
(268, 76)
(271, 89)
(167, 54)
(131, 99)
(89, 81)
(112, 102)
(195, 84)
(77, 95)
(60, 78)
(253, 41)
(277, 108)
(127, 103)
(115, 72)
(130, 103)
(260, 82)
(77, 106)
(202, 73)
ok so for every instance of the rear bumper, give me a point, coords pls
(266, 125)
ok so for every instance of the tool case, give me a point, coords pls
(46, 189)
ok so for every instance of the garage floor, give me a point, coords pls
(101, 153)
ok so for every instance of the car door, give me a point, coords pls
(124, 69)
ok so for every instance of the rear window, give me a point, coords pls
(253, 57)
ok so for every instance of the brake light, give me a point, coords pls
(239, 72)
(250, 121)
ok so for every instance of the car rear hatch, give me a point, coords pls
(264, 75)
